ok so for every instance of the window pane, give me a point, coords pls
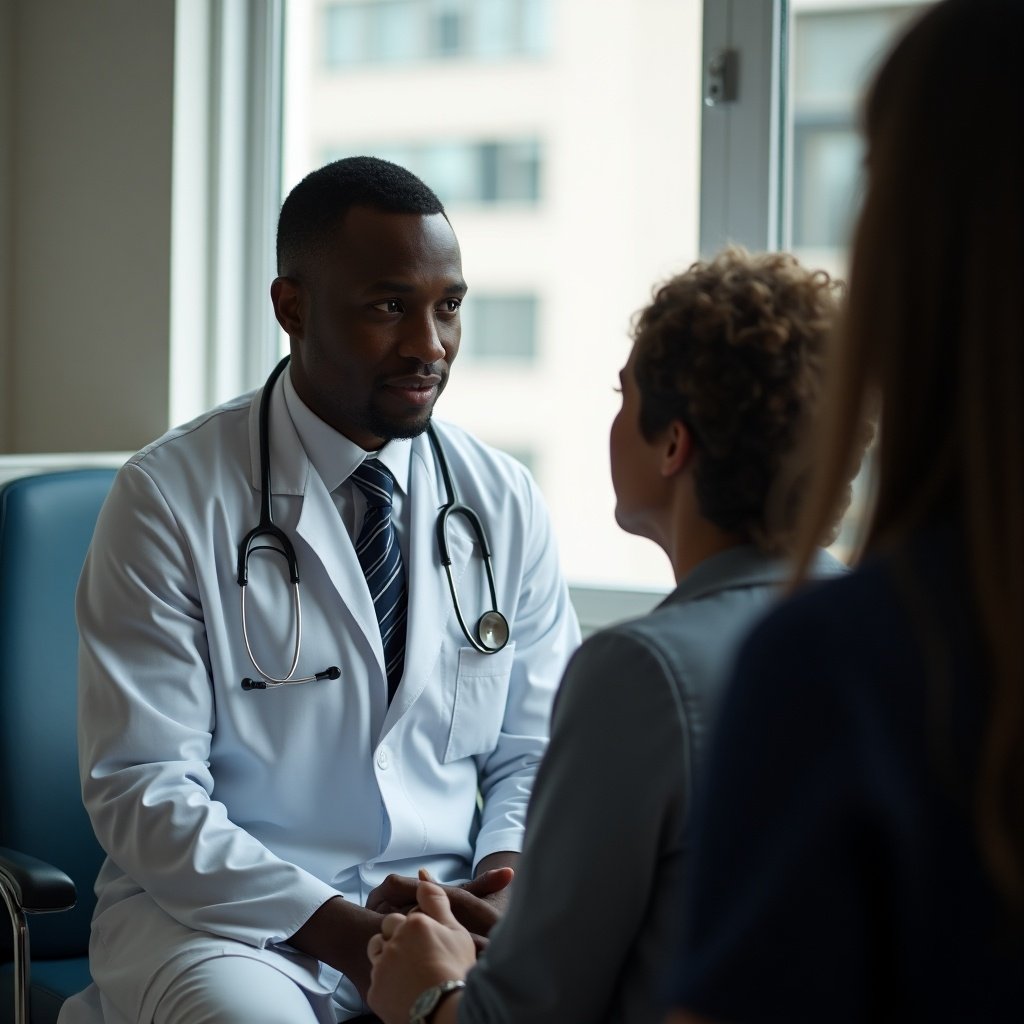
(571, 179)
(499, 327)
(449, 33)
(452, 170)
(834, 52)
(835, 46)
(826, 159)
(534, 25)
(404, 31)
(462, 172)
(345, 34)
(396, 31)
(516, 171)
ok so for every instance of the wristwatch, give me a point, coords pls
(423, 1009)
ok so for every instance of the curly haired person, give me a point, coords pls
(723, 377)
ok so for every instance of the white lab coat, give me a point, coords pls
(230, 816)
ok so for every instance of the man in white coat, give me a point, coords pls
(247, 827)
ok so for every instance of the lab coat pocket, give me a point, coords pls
(481, 690)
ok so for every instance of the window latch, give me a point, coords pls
(721, 79)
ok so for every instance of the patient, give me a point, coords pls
(724, 371)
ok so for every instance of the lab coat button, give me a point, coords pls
(382, 759)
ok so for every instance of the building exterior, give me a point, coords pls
(563, 137)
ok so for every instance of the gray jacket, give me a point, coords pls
(595, 905)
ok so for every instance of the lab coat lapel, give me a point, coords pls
(320, 526)
(430, 602)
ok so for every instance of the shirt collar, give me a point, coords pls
(333, 455)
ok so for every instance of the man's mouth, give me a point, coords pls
(416, 389)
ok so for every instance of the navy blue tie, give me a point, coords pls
(381, 561)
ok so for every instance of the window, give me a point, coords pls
(464, 172)
(834, 49)
(367, 32)
(571, 179)
(499, 327)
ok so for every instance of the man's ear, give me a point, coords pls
(289, 299)
(677, 448)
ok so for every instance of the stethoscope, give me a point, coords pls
(492, 627)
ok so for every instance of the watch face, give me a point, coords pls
(425, 1002)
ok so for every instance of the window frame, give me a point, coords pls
(239, 138)
(743, 158)
(226, 184)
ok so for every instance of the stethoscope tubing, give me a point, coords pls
(453, 507)
(491, 624)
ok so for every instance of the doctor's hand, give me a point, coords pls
(412, 953)
(477, 904)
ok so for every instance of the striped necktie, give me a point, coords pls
(381, 561)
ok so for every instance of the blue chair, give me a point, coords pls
(48, 852)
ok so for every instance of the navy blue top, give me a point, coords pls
(836, 875)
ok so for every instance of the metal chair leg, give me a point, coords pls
(20, 958)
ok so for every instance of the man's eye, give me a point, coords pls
(451, 305)
(388, 306)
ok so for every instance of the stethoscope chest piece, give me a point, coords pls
(492, 631)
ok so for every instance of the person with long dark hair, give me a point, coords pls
(860, 837)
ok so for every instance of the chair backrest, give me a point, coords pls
(46, 524)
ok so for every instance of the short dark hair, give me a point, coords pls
(734, 348)
(315, 207)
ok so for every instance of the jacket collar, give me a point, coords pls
(745, 566)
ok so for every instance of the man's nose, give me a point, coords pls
(423, 340)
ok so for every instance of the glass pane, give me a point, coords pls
(517, 171)
(834, 51)
(826, 159)
(564, 138)
(499, 327)
(397, 32)
(452, 170)
(345, 34)
(835, 45)
(534, 25)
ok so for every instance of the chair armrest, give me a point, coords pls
(37, 886)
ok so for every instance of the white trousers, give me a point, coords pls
(240, 990)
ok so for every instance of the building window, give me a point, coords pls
(834, 52)
(484, 172)
(360, 32)
(499, 327)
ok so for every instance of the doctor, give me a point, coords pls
(247, 827)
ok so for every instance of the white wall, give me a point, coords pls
(86, 109)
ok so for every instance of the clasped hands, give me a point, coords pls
(476, 905)
(432, 933)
